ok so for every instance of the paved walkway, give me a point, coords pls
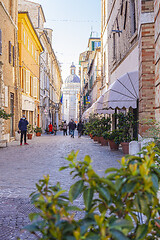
(22, 166)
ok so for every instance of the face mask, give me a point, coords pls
(23, 118)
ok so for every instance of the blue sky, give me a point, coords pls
(72, 22)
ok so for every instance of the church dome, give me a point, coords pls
(72, 78)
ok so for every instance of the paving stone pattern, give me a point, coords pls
(22, 166)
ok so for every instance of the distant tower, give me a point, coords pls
(71, 90)
(73, 69)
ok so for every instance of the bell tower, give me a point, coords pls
(73, 69)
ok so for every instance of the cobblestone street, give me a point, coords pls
(22, 166)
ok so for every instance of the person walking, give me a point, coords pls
(50, 127)
(69, 125)
(22, 125)
(65, 128)
(72, 127)
(80, 128)
(55, 128)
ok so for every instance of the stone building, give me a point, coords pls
(50, 72)
(71, 90)
(9, 77)
(90, 73)
(29, 55)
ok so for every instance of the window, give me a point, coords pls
(31, 86)
(28, 44)
(27, 81)
(133, 16)
(0, 42)
(125, 15)
(13, 55)
(10, 52)
(32, 50)
(24, 80)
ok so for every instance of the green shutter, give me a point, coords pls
(92, 46)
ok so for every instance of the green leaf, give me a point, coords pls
(59, 193)
(34, 197)
(32, 227)
(104, 192)
(87, 159)
(108, 182)
(111, 170)
(118, 235)
(88, 196)
(129, 187)
(123, 223)
(155, 182)
(75, 190)
(73, 208)
(141, 232)
(62, 168)
(33, 216)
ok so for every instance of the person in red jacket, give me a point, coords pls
(50, 128)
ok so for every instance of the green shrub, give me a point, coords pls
(38, 129)
(122, 205)
(4, 115)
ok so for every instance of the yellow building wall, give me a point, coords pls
(29, 53)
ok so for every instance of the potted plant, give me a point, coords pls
(114, 139)
(104, 140)
(126, 124)
(38, 131)
(29, 131)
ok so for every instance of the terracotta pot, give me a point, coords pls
(29, 135)
(125, 147)
(113, 145)
(38, 134)
(104, 142)
(95, 138)
(91, 136)
(99, 139)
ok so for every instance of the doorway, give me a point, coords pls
(12, 116)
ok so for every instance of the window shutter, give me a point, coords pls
(10, 51)
(24, 80)
(0, 42)
(13, 56)
(125, 16)
(27, 81)
(92, 46)
(35, 87)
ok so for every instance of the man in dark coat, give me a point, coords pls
(80, 128)
(72, 127)
(69, 125)
(23, 128)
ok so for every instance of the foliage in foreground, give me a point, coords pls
(4, 115)
(121, 205)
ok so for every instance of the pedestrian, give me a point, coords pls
(65, 128)
(72, 127)
(55, 128)
(69, 125)
(50, 127)
(80, 128)
(22, 125)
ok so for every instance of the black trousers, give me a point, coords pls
(64, 132)
(23, 133)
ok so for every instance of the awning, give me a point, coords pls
(123, 93)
